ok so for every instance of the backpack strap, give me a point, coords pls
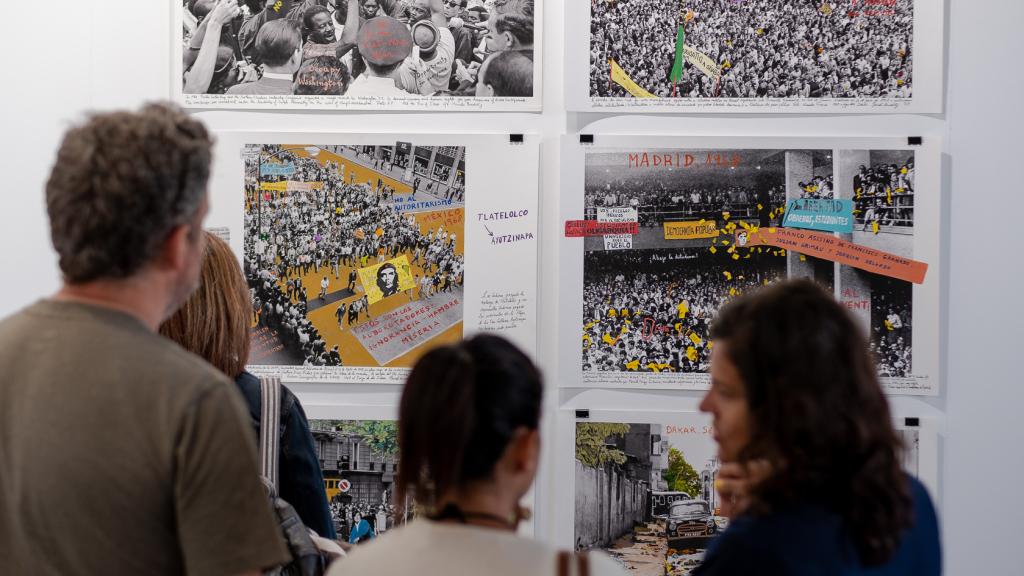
(270, 420)
(565, 564)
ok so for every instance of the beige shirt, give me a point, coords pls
(366, 85)
(121, 453)
(426, 547)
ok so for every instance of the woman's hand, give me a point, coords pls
(736, 481)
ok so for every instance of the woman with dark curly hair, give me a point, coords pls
(810, 472)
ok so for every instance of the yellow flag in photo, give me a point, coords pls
(620, 77)
(695, 339)
(386, 279)
(691, 353)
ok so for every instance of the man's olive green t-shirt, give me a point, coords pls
(121, 453)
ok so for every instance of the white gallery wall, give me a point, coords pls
(91, 56)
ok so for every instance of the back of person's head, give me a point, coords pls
(384, 43)
(322, 76)
(817, 412)
(520, 26)
(480, 11)
(277, 41)
(509, 73)
(310, 13)
(201, 8)
(214, 322)
(122, 182)
(479, 395)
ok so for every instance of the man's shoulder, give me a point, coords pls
(108, 341)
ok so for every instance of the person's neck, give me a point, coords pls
(284, 70)
(486, 506)
(128, 295)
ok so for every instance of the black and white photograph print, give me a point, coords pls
(754, 49)
(384, 54)
(355, 255)
(651, 310)
(644, 493)
(648, 308)
(359, 462)
(883, 191)
(881, 184)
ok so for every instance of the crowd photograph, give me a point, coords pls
(883, 192)
(757, 49)
(358, 48)
(746, 184)
(891, 328)
(649, 308)
(342, 239)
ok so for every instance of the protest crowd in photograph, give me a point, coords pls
(401, 48)
(884, 194)
(321, 237)
(756, 48)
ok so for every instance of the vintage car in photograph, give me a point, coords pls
(691, 524)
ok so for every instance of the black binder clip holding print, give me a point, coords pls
(586, 139)
(515, 139)
(914, 140)
(583, 414)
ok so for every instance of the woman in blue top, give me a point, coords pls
(810, 473)
(214, 324)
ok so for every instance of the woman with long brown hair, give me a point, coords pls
(810, 472)
(214, 324)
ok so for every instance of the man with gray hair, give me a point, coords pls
(120, 451)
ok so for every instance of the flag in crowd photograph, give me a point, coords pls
(363, 54)
(670, 235)
(644, 487)
(704, 54)
(359, 462)
(354, 254)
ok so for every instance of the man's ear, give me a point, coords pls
(174, 253)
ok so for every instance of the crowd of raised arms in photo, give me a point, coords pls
(314, 47)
